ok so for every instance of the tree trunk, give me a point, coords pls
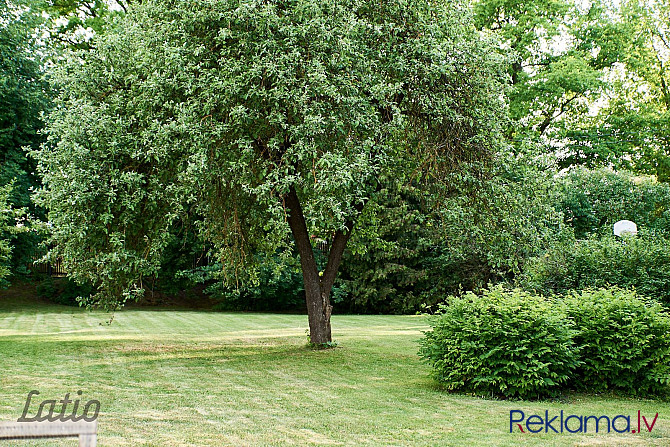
(317, 288)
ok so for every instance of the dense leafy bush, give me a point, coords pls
(642, 263)
(272, 283)
(624, 341)
(63, 291)
(502, 343)
(513, 344)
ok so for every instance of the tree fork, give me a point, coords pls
(317, 289)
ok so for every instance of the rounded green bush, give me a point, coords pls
(624, 341)
(501, 343)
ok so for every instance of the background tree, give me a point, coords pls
(414, 248)
(24, 95)
(588, 81)
(256, 121)
(631, 128)
(551, 76)
(396, 260)
(74, 24)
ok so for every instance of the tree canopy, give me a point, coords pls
(254, 120)
(588, 80)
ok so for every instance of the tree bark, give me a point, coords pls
(318, 306)
(317, 288)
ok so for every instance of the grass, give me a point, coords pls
(192, 378)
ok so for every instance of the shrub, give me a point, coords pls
(63, 291)
(274, 284)
(502, 343)
(642, 263)
(624, 341)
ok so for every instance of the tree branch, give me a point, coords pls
(549, 117)
(337, 250)
(296, 220)
(122, 5)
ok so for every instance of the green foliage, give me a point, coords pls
(514, 344)
(24, 95)
(5, 248)
(501, 343)
(74, 24)
(276, 286)
(629, 127)
(512, 220)
(641, 262)
(548, 80)
(272, 283)
(183, 253)
(629, 135)
(589, 81)
(415, 247)
(395, 264)
(63, 291)
(593, 200)
(210, 112)
(624, 341)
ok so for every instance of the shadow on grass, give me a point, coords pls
(125, 350)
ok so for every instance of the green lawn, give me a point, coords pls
(182, 378)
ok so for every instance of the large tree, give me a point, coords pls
(24, 95)
(255, 120)
(551, 74)
(588, 79)
(632, 126)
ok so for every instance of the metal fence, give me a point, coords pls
(48, 268)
